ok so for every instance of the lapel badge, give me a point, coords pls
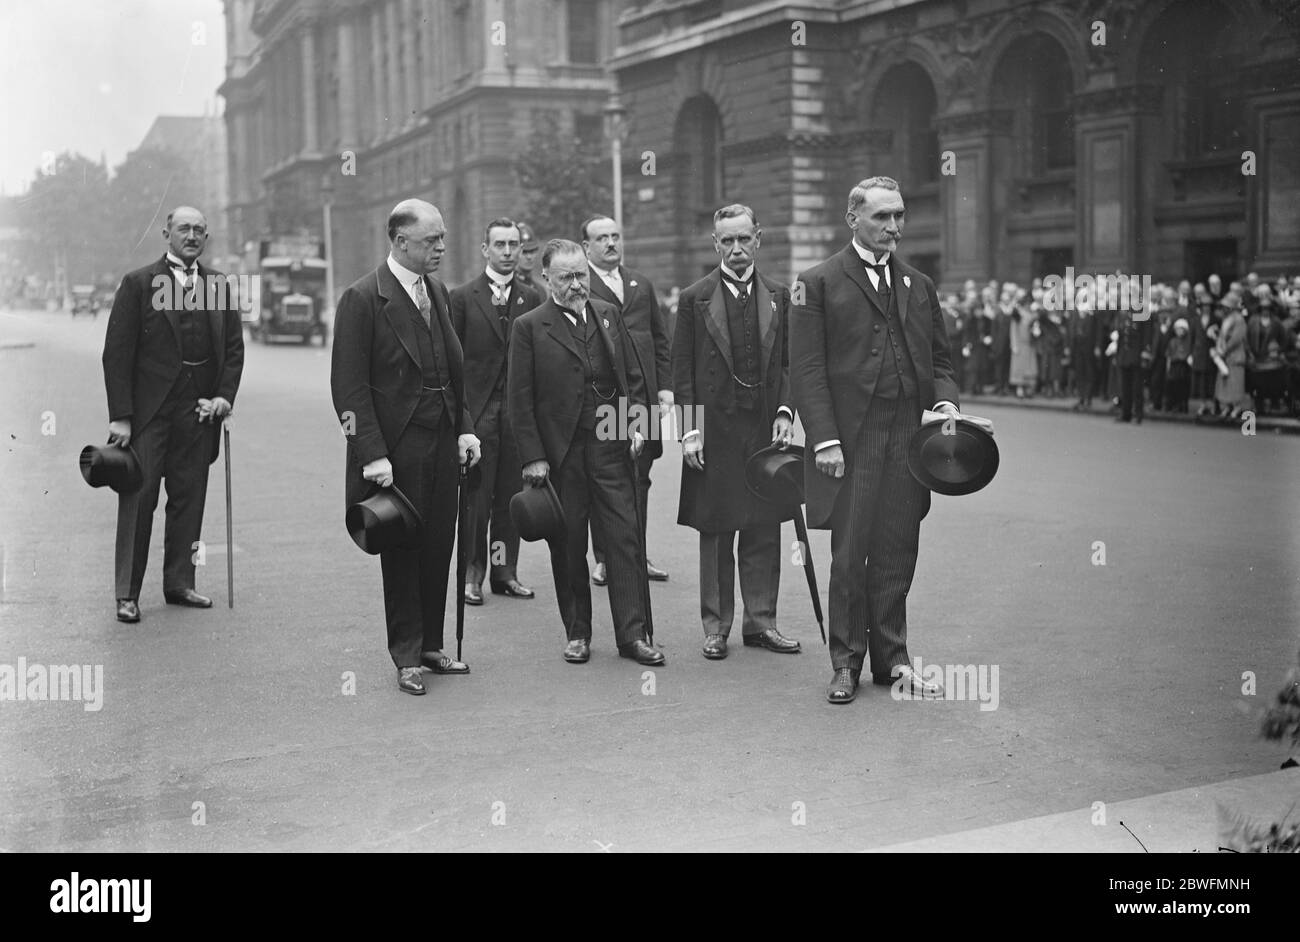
(605, 321)
(631, 284)
(907, 282)
(774, 305)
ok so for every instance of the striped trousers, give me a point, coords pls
(875, 530)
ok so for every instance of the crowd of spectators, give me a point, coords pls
(1217, 350)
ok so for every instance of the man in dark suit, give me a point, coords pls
(573, 373)
(634, 296)
(1132, 358)
(731, 371)
(398, 385)
(173, 356)
(868, 351)
(482, 313)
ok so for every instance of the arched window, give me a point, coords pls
(698, 152)
(1033, 81)
(904, 104)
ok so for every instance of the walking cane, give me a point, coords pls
(464, 522)
(230, 533)
(801, 533)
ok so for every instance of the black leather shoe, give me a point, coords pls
(773, 640)
(912, 684)
(473, 594)
(187, 597)
(410, 681)
(577, 651)
(438, 663)
(715, 647)
(642, 653)
(598, 576)
(128, 610)
(654, 573)
(843, 686)
(512, 588)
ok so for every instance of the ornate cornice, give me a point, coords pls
(973, 123)
(1126, 99)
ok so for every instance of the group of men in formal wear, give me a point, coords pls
(515, 372)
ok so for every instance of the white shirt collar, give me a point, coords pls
(567, 316)
(175, 262)
(868, 257)
(403, 274)
(497, 277)
(745, 276)
(606, 273)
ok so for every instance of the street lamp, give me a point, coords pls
(327, 196)
(616, 133)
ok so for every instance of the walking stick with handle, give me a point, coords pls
(230, 533)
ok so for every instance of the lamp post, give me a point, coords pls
(616, 133)
(327, 196)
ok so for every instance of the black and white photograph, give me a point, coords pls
(651, 426)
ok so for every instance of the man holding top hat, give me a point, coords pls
(483, 311)
(869, 352)
(571, 361)
(731, 380)
(173, 357)
(397, 379)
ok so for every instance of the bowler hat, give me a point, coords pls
(383, 521)
(952, 457)
(775, 474)
(113, 465)
(537, 513)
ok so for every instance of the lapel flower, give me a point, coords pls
(631, 284)
(907, 282)
(605, 321)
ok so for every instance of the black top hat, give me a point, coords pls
(537, 513)
(959, 462)
(383, 521)
(113, 465)
(775, 474)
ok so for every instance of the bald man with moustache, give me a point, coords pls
(397, 378)
(173, 358)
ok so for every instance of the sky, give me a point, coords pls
(91, 75)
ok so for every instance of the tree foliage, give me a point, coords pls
(563, 182)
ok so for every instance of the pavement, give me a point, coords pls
(1135, 587)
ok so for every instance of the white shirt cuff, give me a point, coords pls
(826, 444)
(788, 414)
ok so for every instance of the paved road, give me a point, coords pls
(1115, 681)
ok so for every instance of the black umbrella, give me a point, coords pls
(641, 538)
(230, 533)
(801, 531)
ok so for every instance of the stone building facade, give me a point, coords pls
(1156, 137)
(363, 103)
(1027, 136)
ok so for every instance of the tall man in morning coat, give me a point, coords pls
(398, 384)
(173, 357)
(731, 380)
(482, 312)
(868, 352)
(571, 362)
(634, 296)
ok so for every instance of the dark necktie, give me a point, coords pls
(189, 280)
(882, 285)
(741, 286)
